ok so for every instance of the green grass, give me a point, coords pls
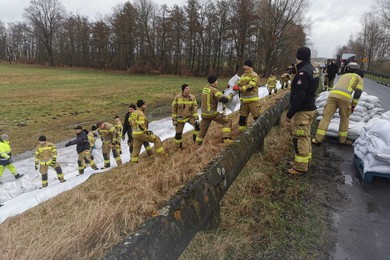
(38, 100)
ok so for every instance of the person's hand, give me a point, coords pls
(123, 137)
(67, 144)
(149, 132)
(196, 121)
(174, 122)
(236, 87)
(352, 109)
(36, 166)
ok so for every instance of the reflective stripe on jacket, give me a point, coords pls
(5, 150)
(108, 133)
(210, 98)
(249, 87)
(45, 152)
(347, 84)
(139, 122)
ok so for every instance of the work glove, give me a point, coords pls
(67, 144)
(236, 87)
(231, 95)
(196, 121)
(352, 109)
(149, 132)
(123, 137)
(36, 166)
(174, 122)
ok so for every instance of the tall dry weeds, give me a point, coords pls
(90, 219)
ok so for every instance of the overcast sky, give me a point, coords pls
(332, 21)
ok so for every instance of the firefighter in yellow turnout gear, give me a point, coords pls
(248, 86)
(271, 84)
(141, 134)
(185, 110)
(5, 157)
(83, 149)
(341, 97)
(119, 129)
(109, 142)
(285, 80)
(210, 98)
(45, 156)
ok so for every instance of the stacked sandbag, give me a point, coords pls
(367, 108)
(373, 145)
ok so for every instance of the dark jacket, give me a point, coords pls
(81, 141)
(303, 89)
(332, 70)
(127, 127)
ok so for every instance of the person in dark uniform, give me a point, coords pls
(302, 110)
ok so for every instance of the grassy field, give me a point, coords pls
(37, 100)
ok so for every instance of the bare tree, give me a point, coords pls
(45, 18)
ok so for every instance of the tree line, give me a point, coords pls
(196, 39)
(372, 43)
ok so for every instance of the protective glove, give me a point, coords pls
(149, 132)
(123, 137)
(174, 122)
(67, 144)
(236, 87)
(36, 166)
(196, 121)
(352, 109)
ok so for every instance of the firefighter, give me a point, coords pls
(141, 134)
(109, 137)
(185, 110)
(45, 156)
(5, 157)
(271, 84)
(83, 149)
(285, 80)
(127, 129)
(210, 98)
(331, 70)
(302, 109)
(341, 97)
(91, 140)
(119, 129)
(248, 87)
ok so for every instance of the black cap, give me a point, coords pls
(133, 106)
(42, 138)
(116, 117)
(211, 79)
(94, 127)
(303, 53)
(183, 87)
(140, 103)
(78, 127)
(248, 63)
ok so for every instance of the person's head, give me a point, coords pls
(212, 80)
(78, 129)
(141, 104)
(303, 54)
(42, 139)
(351, 67)
(185, 89)
(94, 128)
(359, 72)
(100, 125)
(132, 108)
(248, 64)
(4, 137)
(117, 119)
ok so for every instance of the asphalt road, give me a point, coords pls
(362, 223)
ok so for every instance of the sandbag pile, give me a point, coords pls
(368, 107)
(373, 145)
